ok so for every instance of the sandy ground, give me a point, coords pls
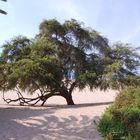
(55, 121)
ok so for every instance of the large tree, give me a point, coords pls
(63, 57)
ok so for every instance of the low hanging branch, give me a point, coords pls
(23, 100)
(43, 96)
(30, 101)
(26, 101)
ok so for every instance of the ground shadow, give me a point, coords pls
(78, 105)
(44, 124)
(58, 106)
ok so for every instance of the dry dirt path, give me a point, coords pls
(54, 122)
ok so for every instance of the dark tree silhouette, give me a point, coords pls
(1, 11)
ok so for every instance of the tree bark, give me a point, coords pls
(69, 99)
(46, 97)
(67, 95)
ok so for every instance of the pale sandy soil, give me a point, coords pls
(55, 121)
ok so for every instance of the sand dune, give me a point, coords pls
(55, 121)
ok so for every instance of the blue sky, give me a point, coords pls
(118, 20)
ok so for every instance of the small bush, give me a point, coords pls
(121, 121)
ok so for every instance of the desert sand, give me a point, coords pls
(56, 120)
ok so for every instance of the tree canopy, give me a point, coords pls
(62, 57)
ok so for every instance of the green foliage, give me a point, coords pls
(122, 119)
(129, 97)
(47, 62)
(70, 45)
(16, 49)
(123, 62)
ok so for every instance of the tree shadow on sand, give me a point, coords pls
(43, 124)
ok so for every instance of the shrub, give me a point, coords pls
(122, 119)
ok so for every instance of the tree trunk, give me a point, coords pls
(45, 98)
(69, 99)
(63, 93)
